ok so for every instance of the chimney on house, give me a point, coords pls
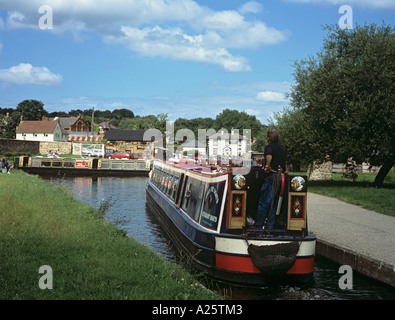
(21, 118)
(45, 118)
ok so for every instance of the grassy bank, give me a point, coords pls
(41, 224)
(360, 192)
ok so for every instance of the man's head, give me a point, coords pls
(272, 136)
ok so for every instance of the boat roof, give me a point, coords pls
(196, 167)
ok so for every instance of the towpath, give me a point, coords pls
(352, 235)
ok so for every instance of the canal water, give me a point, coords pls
(125, 203)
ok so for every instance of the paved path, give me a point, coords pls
(364, 232)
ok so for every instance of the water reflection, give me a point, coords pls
(128, 211)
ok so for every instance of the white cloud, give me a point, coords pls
(174, 44)
(25, 73)
(251, 7)
(375, 4)
(16, 20)
(190, 31)
(1, 47)
(270, 96)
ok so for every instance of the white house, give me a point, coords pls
(230, 144)
(40, 131)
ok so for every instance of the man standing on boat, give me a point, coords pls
(275, 157)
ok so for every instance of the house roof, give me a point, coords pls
(107, 125)
(126, 135)
(37, 126)
(65, 122)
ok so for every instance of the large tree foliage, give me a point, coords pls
(234, 119)
(347, 95)
(295, 137)
(227, 119)
(28, 110)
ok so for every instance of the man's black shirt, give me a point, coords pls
(278, 155)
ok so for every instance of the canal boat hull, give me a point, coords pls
(83, 167)
(225, 256)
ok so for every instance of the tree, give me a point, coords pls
(29, 110)
(346, 94)
(194, 125)
(295, 137)
(122, 113)
(234, 119)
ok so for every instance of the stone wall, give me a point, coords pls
(34, 147)
(320, 170)
(61, 147)
(21, 146)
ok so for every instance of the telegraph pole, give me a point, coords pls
(92, 125)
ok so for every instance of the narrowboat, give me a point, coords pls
(83, 167)
(208, 212)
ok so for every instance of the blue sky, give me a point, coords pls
(182, 57)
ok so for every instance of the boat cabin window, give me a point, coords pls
(176, 180)
(141, 166)
(105, 165)
(167, 181)
(212, 205)
(162, 183)
(199, 201)
(68, 164)
(116, 165)
(193, 197)
(153, 177)
(187, 196)
(128, 166)
(46, 163)
(170, 186)
(156, 178)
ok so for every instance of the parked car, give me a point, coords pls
(95, 153)
(119, 155)
(138, 156)
(109, 151)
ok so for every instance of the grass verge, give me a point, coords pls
(360, 192)
(41, 224)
